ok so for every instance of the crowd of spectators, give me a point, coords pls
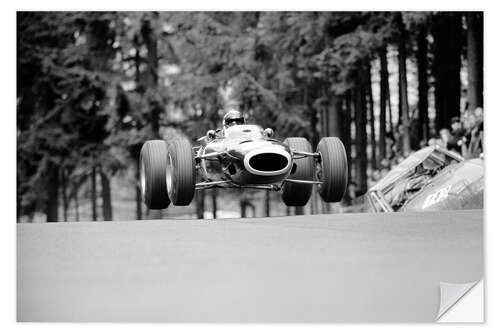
(465, 136)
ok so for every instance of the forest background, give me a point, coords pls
(93, 86)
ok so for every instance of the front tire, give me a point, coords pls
(181, 172)
(153, 166)
(295, 194)
(332, 169)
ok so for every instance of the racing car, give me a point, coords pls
(242, 156)
(430, 179)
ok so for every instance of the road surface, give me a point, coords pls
(322, 268)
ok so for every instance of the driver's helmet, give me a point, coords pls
(233, 117)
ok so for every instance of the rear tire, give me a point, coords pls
(181, 172)
(332, 169)
(298, 194)
(153, 166)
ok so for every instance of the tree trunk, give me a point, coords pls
(423, 86)
(325, 114)
(475, 59)
(52, 193)
(384, 88)
(403, 87)
(214, 202)
(93, 194)
(107, 209)
(389, 106)
(267, 204)
(200, 203)
(243, 209)
(361, 137)
(346, 132)
(77, 206)
(74, 195)
(243, 204)
(151, 40)
(64, 194)
(334, 117)
(299, 210)
(446, 67)
(373, 141)
(313, 116)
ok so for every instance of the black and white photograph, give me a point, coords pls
(255, 166)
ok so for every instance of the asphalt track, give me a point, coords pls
(323, 268)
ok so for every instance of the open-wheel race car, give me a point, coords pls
(242, 156)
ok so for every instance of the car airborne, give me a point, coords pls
(432, 178)
(242, 156)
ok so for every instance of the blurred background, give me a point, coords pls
(92, 87)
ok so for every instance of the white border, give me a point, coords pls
(8, 168)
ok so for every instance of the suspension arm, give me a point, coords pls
(230, 184)
(298, 181)
(209, 155)
(204, 185)
(304, 154)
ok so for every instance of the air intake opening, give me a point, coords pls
(268, 162)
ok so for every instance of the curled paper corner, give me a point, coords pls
(451, 296)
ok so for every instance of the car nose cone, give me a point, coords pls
(267, 162)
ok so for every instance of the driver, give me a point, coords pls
(233, 117)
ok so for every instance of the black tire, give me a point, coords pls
(332, 171)
(153, 167)
(298, 194)
(181, 172)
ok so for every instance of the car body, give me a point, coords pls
(432, 178)
(247, 157)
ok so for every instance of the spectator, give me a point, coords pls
(351, 193)
(478, 113)
(458, 133)
(457, 129)
(375, 177)
(436, 142)
(400, 140)
(445, 136)
(471, 143)
(449, 140)
(390, 145)
(384, 171)
(476, 136)
(385, 164)
(432, 142)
